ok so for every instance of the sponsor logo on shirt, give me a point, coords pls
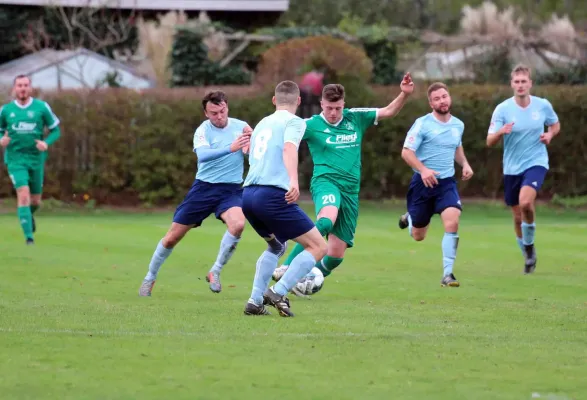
(24, 127)
(342, 139)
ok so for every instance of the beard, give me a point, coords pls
(442, 111)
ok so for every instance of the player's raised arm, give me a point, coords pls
(206, 153)
(393, 108)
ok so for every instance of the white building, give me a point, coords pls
(71, 69)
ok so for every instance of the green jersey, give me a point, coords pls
(25, 124)
(336, 149)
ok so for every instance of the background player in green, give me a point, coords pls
(22, 123)
(334, 138)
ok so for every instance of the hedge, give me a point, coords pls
(120, 146)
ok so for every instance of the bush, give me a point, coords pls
(122, 146)
(290, 59)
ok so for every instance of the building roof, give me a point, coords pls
(47, 58)
(186, 5)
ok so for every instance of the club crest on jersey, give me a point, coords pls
(535, 115)
(455, 132)
(342, 139)
(30, 114)
(12, 115)
(348, 125)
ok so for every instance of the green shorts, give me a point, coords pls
(23, 174)
(326, 193)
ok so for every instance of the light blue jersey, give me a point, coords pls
(522, 148)
(266, 153)
(435, 143)
(216, 164)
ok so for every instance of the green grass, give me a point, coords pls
(73, 327)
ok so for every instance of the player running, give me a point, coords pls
(334, 138)
(432, 146)
(520, 120)
(218, 144)
(23, 123)
(270, 192)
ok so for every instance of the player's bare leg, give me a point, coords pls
(450, 242)
(528, 227)
(23, 199)
(35, 205)
(173, 236)
(315, 248)
(324, 223)
(235, 224)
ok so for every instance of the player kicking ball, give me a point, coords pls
(218, 143)
(22, 122)
(334, 138)
(270, 192)
(520, 120)
(432, 146)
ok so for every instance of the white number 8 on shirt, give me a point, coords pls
(260, 144)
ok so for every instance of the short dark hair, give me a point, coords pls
(436, 86)
(287, 93)
(333, 92)
(218, 97)
(17, 77)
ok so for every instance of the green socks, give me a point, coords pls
(26, 221)
(324, 226)
(34, 208)
(328, 264)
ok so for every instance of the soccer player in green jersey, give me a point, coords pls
(22, 123)
(334, 138)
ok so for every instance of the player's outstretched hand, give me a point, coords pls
(5, 141)
(507, 128)
(247, 131)
(467, 172)
(41, 146)
(293, 194)
(407, 85)
(546, 138)
(429, 177)
(240, 142)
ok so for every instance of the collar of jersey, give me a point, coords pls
(26, 105)
(325, 120)
(519, 106)
(439, 121)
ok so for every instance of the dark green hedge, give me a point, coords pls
(119, 146)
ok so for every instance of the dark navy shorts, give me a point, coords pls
(424, 202)
(513, 184)
(206, 198)
(268, 213)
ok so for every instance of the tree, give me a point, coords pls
(102, 29)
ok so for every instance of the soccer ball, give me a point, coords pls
(310, 284)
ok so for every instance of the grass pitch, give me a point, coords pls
(73, 327)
